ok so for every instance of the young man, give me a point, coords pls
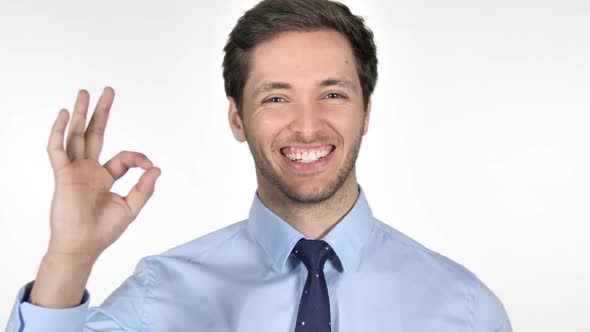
(299, 75)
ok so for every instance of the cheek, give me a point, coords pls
(270, 120)
(347, 126)
(265, 126)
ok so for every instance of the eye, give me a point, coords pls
(334, 95)
(273, 100)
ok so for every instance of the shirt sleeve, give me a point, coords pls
(36, 318)
(121, 311)
(489, 314)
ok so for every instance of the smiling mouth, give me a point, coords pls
(307, 155)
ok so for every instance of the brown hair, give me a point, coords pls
(272, 17)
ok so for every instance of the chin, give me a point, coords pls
(308, 193)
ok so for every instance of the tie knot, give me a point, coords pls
(313, 253)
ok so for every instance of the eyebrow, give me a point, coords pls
(275, 85)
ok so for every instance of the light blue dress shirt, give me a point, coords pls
(243, 277)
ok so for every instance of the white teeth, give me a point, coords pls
(307, 157)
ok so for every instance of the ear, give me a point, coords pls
(367, 116)
(235, 122)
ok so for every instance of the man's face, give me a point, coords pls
(302, 98)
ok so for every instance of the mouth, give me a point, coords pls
(308, 158)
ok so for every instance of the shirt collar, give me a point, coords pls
(278, 238)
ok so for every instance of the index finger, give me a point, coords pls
(55, 148)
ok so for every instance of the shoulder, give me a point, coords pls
(402, 247)
(194, 249)
(441, 274)
(488, 310)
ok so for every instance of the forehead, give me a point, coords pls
(301, 58)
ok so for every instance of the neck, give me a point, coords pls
(312, 220)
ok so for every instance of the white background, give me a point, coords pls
(478, 145)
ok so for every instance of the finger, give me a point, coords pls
(55, 147)
(124, 160)
(142, 191)
(75, 139)
(94, 135)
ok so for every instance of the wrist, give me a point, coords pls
(61, 280)
(81, 260)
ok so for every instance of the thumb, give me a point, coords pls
(142, 191)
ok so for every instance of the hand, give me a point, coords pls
(85, 216)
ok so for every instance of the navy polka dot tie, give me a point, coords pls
(314, 306)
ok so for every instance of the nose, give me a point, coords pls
(307, 119)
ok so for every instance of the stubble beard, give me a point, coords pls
(318, 196)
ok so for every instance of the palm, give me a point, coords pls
(83, 210)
